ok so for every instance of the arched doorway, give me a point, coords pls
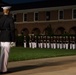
(60, 31)
(72, 30)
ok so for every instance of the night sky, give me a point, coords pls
(20, 1)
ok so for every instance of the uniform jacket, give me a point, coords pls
(7, 29)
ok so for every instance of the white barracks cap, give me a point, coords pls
(6, 7)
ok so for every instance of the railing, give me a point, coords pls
(53, 42)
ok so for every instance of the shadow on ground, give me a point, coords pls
(40, 65)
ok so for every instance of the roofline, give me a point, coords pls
(44, 9)
(42, 4)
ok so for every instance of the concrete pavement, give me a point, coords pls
(48, 66)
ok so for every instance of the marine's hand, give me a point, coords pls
(12, 43)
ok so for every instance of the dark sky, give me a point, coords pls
(20, 1)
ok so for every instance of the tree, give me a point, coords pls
(49, 30)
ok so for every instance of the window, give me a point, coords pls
(25, 17)
(61, 14)
(14, 16)
(74, 13)
(36, 15)
(48, 15)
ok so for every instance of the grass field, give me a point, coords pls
(20, 53)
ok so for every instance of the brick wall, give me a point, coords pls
(67, 23)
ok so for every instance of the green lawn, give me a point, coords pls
(20, 53)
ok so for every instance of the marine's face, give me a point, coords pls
(6, 11)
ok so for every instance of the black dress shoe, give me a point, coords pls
(5, 72)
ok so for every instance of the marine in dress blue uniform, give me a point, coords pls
(7, 35)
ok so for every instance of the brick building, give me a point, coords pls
(45, 17)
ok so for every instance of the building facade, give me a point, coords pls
(56, 19)
(46, 20)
